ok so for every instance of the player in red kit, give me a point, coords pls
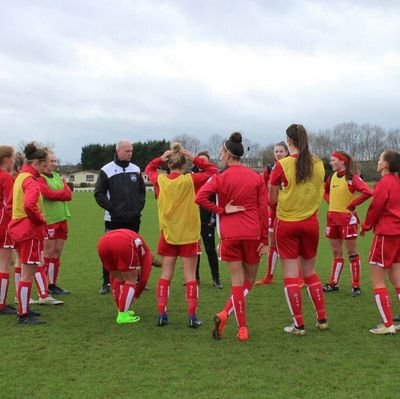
(344, 191)
(280, 151)
(383, 216)
(179, 220)
(6, 245)
(297, 189)
(127, 257)
(242, 219)
(27, 227)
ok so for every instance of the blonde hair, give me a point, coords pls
(6, 151)
(176, 160)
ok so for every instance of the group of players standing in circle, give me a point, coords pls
(284, 205)
(279, 208)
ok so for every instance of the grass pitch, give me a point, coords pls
(83, 353)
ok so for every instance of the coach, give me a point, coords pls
(121, 191)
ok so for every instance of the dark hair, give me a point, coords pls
(282, 144)
(176, 160)
(304, 162)
(32, 151)
(351, 167)
(204, 154)
(392, 157)
(234, 145)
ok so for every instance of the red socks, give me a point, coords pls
(382, 299)
(192, 297)
(398, 293)
(4, 281)
(316, 293)
(337, 267)
(162, 295)
(239, 304)
(126, 297)
(41, 282)
(294, 300)
(355, 270)
(23, 295)
(247, 286)
(116, 290)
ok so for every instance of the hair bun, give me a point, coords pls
(30, 149)
(176, 147)
(236, 137)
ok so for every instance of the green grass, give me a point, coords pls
(83, 353)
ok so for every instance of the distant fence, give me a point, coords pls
(83, 189)
(91, 189)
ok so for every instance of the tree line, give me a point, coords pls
(364, 142)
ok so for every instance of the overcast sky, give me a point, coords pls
(75, 72)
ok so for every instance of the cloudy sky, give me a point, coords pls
(75, 72)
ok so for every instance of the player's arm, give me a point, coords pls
(31, 196)
(374, 212)
(359, 185)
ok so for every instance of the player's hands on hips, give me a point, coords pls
(229, 208)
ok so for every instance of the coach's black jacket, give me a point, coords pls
(121, 191)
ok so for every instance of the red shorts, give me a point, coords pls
(239, 250)
(385, 250)
(5, 240)
(57, 230)
(117, 252)
(183, 250)
(348, 232)
(29, 251)
(294, 239)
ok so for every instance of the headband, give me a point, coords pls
(340, 156)
(229, 151)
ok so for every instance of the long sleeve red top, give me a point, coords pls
(246, 188)
(207, 170)
(383, 215)
(32, 226)
(6, 186)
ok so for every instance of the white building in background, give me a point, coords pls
(85, 179)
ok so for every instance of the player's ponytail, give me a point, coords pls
(176, 160)
(304, 163)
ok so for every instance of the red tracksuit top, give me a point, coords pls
(207, 170)
(32, 226)
(383, 215)
(246, 188)
(6, 187)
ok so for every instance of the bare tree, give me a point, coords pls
(188, 142)
(267, 155)
(393, 139)
(347, 137)
(214, 145)
(371, 142)
(22, 144)
(321, 143)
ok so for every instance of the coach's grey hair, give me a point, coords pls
(122, 143)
